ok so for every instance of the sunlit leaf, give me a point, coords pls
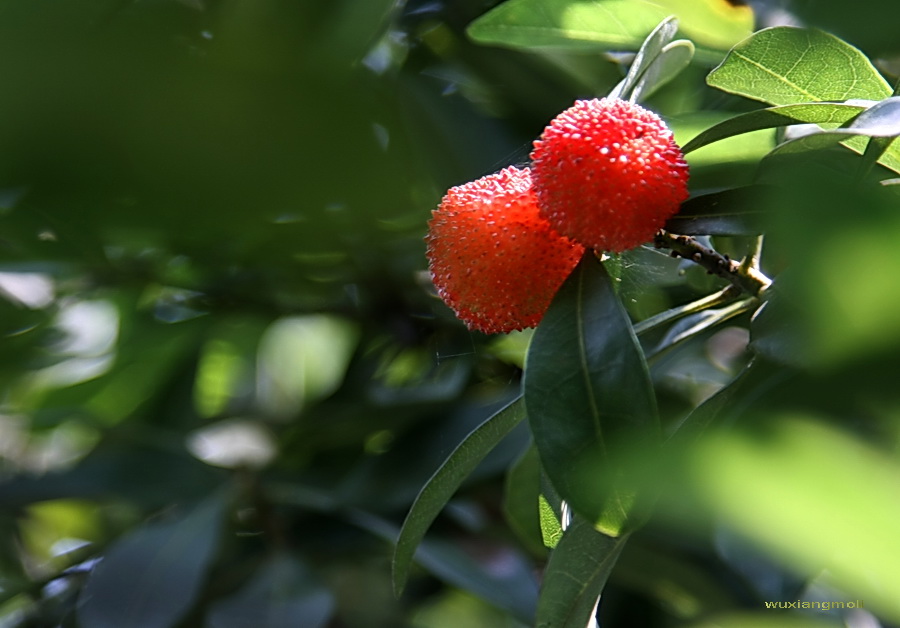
(588, 394)
(716, 24)
(151, 577)
(838, 502)
(302, 359)
(608, 24)
(786, 65)
(568, 24)
(765, 619)
(741, 150)
(444, 483)
(551, 527)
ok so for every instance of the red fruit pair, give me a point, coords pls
(606, 173)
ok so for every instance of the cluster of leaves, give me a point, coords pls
(224, 381)
(589, 395)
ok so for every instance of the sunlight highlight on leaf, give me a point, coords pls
(785, 65)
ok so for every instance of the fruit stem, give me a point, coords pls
(745, 276)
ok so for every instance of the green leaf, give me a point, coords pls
(608, 24)
(774, 117)
(588, 395)
(737, 211)
(662, 35)
(520, 500)
(786, 65)
(765, 619)
(698, 323)
(551, 528)
(838, 501)
(150, 578)
(282, 594)
(880, 120)
(446, 480)
(711, 24)
(513, 588)
(674, 58)
(575, 576)
(568, 24)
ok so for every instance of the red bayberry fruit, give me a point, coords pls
(608, 174)
(493, 259)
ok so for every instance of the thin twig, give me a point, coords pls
(748, 279)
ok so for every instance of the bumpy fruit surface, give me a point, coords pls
(608, 174)
(494, 260)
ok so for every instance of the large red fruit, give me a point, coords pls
(608, 174)
(493, 259)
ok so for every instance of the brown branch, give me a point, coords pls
(746, 277)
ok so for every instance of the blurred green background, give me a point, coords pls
(218, 336)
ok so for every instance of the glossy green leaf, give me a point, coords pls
(786, 65)
(578, 569)
(653, 45)
(568, 24)
(737, 211)
(446, 480)
(714, 24)
(150, 578)
(608, 24)
(282, 594)
(880, 120)
(774, 117)
(588, 395)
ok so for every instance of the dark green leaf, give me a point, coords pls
(575, 576)
(730, 212)
(698, 323)
(588, 395)
(520, 500)
(440, 488)
(786, 65)
(774, 117)
(151, 577)
(512, 589)
(283, 594)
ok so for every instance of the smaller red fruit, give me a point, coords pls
(608, 174)
(493, 259)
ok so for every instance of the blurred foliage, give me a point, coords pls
(225, 378)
